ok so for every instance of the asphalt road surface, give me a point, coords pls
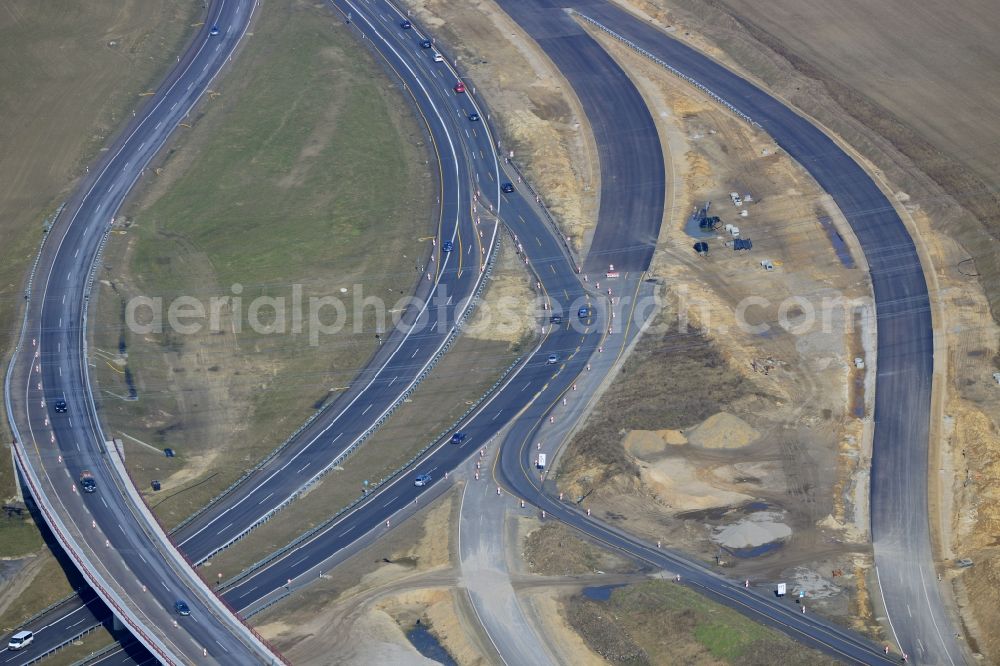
(899, 518)
(482, 550)
(633, 177)
(357, 523)
(467, 156)
(107, 532)
(470, 184)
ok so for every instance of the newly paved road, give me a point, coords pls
(307, 559)
(899, 517)
(633, 178)
(899, 501)
(482, 553)
(468, 163)
(401, 493)
(108, 533)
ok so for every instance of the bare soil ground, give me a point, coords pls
(359, 613)
(885, 82)
(532, 105)
(294, 181)
(69, 75)
(508, 312)
(736, 429)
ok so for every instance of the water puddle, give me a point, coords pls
(427, 645)
(755, 551)
(839, 246)
(600, 592)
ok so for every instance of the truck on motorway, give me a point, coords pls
(87, 482)
(540, 463)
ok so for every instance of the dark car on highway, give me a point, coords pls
(507, 187)
(426, 44)
(214, 31)
(60, 406)
(473, 116)
(447, 246)
(583, 313)
(405, 25)
(458, 438)
(181, 607)
(555, 319)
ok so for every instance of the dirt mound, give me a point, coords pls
(723, 431)
(675, 482)
(647, 443)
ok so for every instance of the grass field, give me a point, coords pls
(48, 584)
(464, 374)
(305, 171)
(70, 73)
(660, 622)
(76, 652)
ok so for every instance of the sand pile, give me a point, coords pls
(676, 483)
(723, 431)
(647, 443)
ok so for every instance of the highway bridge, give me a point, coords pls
(109, 534)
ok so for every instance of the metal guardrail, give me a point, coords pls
(673, 70)
(51, 607)
(96, 580)
(35, 658)
(274, 453)
(332, 519)
(452, 336)
(55, 524)
(48, 609)
(97, 654)
(305, 536)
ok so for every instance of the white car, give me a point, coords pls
(438, 57)
(20, 640)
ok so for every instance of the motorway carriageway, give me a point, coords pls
(307, 558)
(466, 156)
(904, 562)
(265, 586)
(107, 534)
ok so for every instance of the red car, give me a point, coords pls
(460, 87)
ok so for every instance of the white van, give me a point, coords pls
(20, 640)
